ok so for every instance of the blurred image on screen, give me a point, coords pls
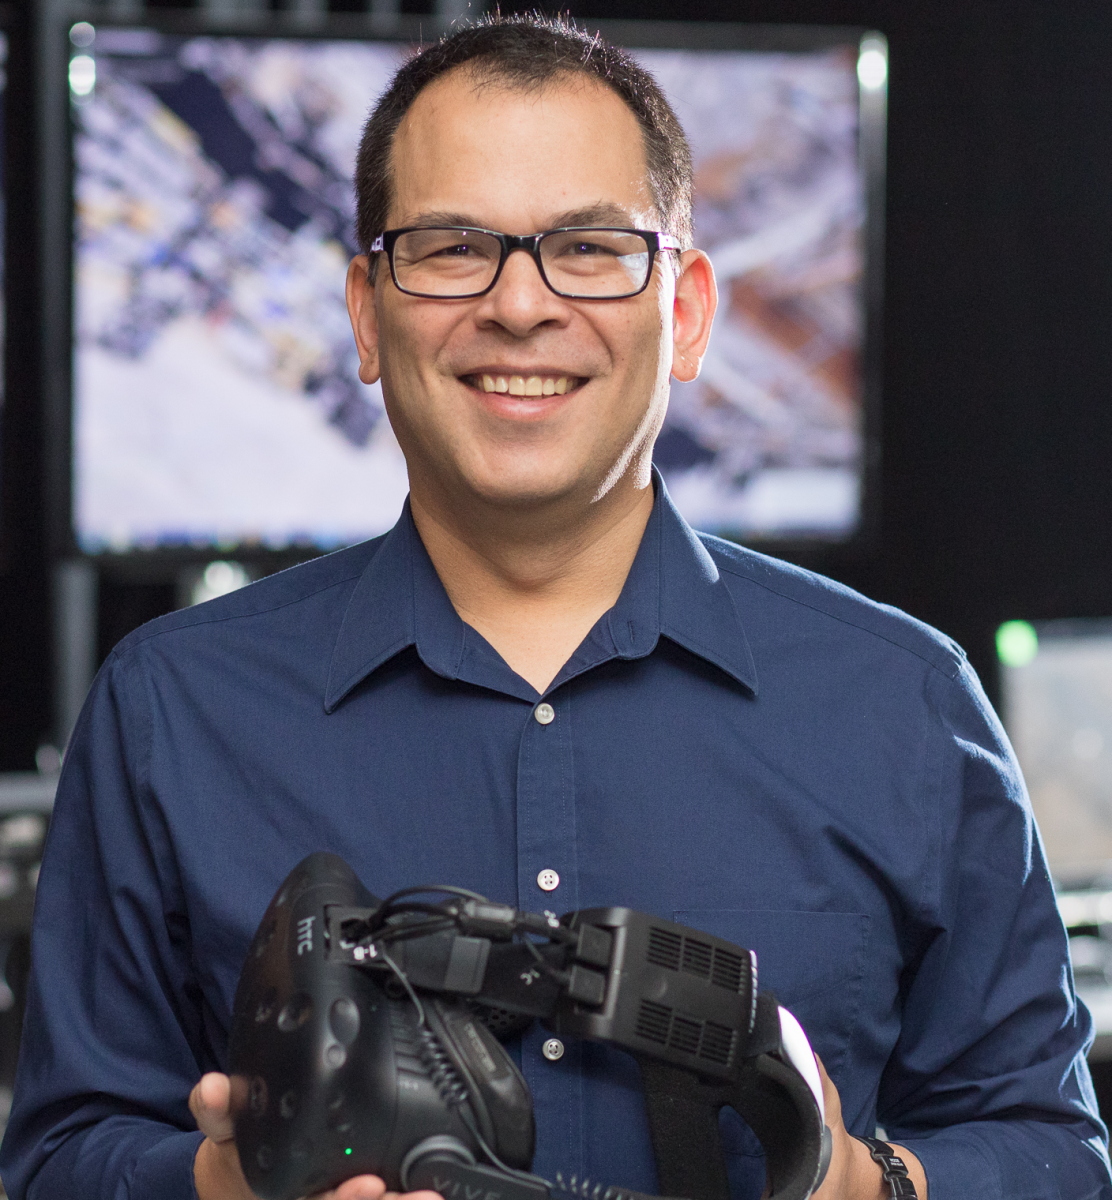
(216, 400)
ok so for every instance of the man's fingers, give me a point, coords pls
(832, 1102)
(210, 1103)
(822, 1071)
(362, 1187)
(370, 1187)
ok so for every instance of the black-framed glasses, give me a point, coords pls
(456, 262)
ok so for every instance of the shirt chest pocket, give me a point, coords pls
(813, 961)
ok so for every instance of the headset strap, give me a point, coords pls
(770, 1096)
(895, 1171)
(683, 1126)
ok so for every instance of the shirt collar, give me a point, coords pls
(673, 589)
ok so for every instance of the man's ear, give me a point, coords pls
(364, 318)
(692, 314)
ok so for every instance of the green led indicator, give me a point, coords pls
(1017, 643)
(348, 1150)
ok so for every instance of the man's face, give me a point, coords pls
(519, 162)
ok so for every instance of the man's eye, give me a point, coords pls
(456, 250)
(586, 249)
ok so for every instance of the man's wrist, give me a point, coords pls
(862, 1178)
(895, 1175)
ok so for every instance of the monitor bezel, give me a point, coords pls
(162, 562)
(14, 469)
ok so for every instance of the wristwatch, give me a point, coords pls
(895, 1173)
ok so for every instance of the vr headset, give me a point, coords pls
(365, 1040)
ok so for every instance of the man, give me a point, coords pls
(543, 686)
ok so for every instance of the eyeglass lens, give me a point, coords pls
(596, 263)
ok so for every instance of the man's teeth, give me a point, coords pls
(532, 385)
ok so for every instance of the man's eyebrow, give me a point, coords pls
(425, 220)
(594, 215)
(436, 217)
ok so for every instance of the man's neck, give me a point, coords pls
(534, 585)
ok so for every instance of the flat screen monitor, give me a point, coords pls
(1057, 707)
(215, 398)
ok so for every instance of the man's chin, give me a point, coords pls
(526, 495)
(526, 485)
(527, 488)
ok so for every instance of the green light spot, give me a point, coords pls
(348, 1150)
(1017, 643)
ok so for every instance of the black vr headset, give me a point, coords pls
(365, 1040)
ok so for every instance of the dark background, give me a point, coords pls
(994, 491)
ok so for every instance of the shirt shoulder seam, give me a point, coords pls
(950, 674)
(138, 637)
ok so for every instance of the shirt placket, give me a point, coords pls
(548, 879)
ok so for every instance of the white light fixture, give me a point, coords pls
(872, 62)
(218, 579)
(82, 74)
(82, 34)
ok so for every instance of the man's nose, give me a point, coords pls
(521, 299)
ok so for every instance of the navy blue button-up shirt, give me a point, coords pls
(738, 745)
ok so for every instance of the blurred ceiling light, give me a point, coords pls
(218, 579)
(82, 34)
(872, 63)
(82, 74)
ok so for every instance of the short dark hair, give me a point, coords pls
(526, 52)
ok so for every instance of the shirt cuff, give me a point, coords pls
(956, 1167)
(165, 1171)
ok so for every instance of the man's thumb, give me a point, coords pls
(210, 1104)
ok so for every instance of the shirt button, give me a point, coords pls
(548, 880)
(545, 713)
(553, 1049)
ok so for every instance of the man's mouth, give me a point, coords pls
(525, 385)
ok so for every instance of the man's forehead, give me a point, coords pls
(474, 142)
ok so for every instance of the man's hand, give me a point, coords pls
(216, 1170)
(853, 1175)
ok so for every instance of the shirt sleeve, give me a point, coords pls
(988, 1084)
(114, 1034)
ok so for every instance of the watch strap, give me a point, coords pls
(893, 1168)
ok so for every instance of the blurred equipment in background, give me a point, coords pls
(1057, 706)
(25, 804)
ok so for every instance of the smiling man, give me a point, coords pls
(527, 415)
(541, 684)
